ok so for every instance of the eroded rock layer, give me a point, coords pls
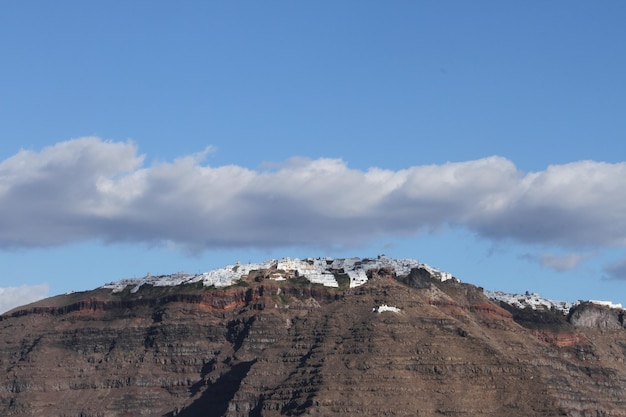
(395, 346)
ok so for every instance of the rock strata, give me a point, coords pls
(409, 344)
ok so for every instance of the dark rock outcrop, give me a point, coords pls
(592, 315)
(419, 278)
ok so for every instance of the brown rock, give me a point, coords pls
(267, 348)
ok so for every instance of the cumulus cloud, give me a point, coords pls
(89, 188)
(576, 204)
(11, 297)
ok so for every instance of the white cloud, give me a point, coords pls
(572, 205)
(11, 297)
(88, 188)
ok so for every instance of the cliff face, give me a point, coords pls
(271, 348)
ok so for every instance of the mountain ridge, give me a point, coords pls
(275, 343)
(355, 268)
(323, 271)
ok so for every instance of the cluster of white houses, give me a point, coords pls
(316, 270)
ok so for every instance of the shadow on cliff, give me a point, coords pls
(214, 400)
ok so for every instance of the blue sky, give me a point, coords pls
(483, 138)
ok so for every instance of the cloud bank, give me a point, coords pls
(90, 188)
(11, 297)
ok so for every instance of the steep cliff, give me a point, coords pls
(270, 346)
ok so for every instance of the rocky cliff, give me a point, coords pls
(273, 343)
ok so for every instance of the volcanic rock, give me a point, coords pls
(407, 344)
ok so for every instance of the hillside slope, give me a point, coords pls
(397, 345)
